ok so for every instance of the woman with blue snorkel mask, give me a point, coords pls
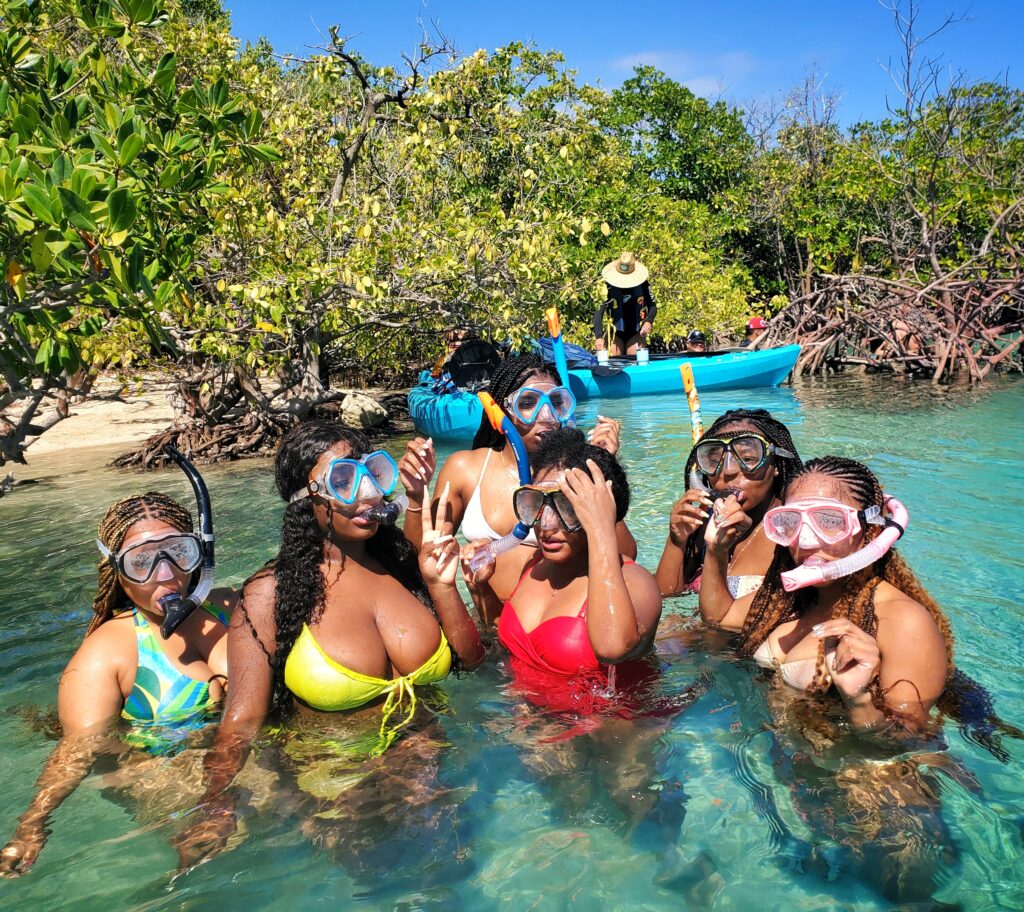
(344, 625)
(163, 686)
(480, 481)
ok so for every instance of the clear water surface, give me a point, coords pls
(730, 803)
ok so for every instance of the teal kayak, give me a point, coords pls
(456, 415)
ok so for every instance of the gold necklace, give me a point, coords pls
(743, 545)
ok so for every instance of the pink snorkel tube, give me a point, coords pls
(802, 576)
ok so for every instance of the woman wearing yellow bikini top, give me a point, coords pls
(346, 619)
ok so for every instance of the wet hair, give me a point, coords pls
(300, 585)
(510, 375)
(110, 598)
(567, 448)
(774, 431)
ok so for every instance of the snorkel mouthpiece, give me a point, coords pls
(803, 576)
(387, 513)
(177, 608)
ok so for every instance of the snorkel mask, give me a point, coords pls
(349, 480)
(830, 523)
(185, 550)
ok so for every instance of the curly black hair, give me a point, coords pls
(506, 380)
(300, 589)
(567, 448)
(773, 431)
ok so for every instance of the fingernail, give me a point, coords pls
(816, 629)
(864, 664)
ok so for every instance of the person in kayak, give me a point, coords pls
(124, 668)
(696, 342)
(629, 303)
(481, 480)
(756, 327)
(751, 455)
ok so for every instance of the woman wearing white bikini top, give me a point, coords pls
(481, 480)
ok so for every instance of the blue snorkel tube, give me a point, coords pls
(502, 423)
(555, 328)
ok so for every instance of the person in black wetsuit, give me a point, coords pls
(630, 304)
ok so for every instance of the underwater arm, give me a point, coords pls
(89, 699)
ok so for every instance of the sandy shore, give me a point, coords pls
(100, 430)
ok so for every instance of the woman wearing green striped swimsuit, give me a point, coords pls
(162, 687)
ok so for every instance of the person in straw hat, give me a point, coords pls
(630, 304)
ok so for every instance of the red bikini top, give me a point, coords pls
(558, 646)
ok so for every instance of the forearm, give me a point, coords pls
(457, 624)
(715, 598)
(611, 618)
(599, 321)
(625, 540)
(487, 602)
(669, 575)
(227, 756)
(64, 771)
(412, 527)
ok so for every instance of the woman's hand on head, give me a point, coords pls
(728, 524)
(605, 434)
(591, 498)
(688, 515)
(416, 467)
(439, 552)
(856, 660)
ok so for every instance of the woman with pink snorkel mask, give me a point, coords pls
(838, 607)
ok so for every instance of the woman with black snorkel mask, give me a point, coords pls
(480, 481)
(164, 686)
(738, 470)
(343, 626)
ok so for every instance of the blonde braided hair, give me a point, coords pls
(110, 596)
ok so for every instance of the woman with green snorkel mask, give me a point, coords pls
(343, 626)
(480, 481)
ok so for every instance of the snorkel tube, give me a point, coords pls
(501, 422)
(895, 526)
(555, 328)
(696, 424)
(176, 608)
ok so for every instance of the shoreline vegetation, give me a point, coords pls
(264, 230)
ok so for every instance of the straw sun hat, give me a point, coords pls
(625, 272)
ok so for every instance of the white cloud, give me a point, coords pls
(702, 74)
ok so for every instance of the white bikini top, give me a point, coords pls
(797, 674)
(474, 524)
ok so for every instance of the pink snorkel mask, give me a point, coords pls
(831, 523)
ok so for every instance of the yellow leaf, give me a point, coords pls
(266, 327)
(14, 272)
(375, 208)
(221, 285)
(563, 152)
(605, 229)
(585, 225)
(118, 238)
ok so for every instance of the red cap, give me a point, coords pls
(756, 323)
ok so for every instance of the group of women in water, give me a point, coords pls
(354, 614)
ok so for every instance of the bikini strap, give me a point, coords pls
(530, 565)
(483, 471)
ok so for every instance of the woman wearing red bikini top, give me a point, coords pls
(579, 607)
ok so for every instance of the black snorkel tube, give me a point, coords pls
(177, 608)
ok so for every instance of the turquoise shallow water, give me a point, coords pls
(720, 806)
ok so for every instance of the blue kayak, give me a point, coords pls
(456, 416)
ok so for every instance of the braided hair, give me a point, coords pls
(298, 574)
(772, 605)
(510, 375)
(110, 598)
(774, 431)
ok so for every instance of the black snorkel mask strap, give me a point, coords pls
(177, 608)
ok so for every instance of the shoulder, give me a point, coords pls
(258, 597)
(464, 465)
(900, 617)
(108, 649)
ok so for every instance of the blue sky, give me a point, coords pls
(739, 50)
